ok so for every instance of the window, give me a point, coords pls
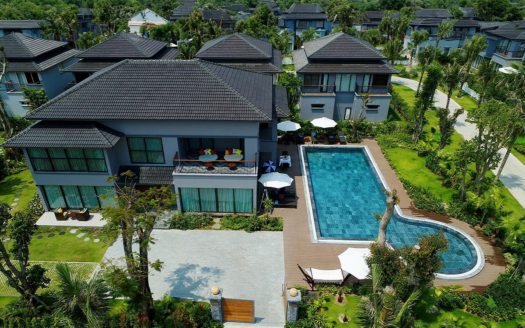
(61, 68)
(317, 107)
(218, 200)
(146, 150)
(198, 143)
(446, 50)
(324, 83)
(348, 112)
(345, 82)
(32, 78)
(319, 24)
(372, 107)
(380, 80)
(302, 24)
(67, 160)
(311, 80)
(77, 196)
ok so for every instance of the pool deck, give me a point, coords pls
(299, 249)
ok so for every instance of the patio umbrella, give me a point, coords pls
(353, 261)
(269, 166)
(324, 123)
(288, 126)
(507, 70)
(275, 180)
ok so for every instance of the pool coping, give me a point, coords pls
(313, 228)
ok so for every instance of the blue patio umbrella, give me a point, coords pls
(269, 166)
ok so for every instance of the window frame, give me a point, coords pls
(50, 159)
(310, 80)
(147, 151)
(216, 200)
(65, 198)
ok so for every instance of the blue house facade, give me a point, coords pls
(157, 126)
(34, 63)
(27, 27)
(302, 17)
(336, 71)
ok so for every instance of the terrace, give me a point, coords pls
(191, 164)
(17, 87)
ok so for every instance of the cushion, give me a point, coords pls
(213, 152)
(230, 151)
(238, 152)
(201, 152)
(208, 151)
(234, 150)
(227, 152)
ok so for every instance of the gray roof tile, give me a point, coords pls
(511, 30)
(433, 13)
(21, 46)
(235, 7)
(125, 46)
(235, 46)
(280, 101)
(302, 8)
(65, 134)
(20, 24)
(149, 175)
(341, 46)
(88, 66)
(318, 16)
(165, 89)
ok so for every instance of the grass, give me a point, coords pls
(10, 186)
(392, 113)
(4, 300)
(333, 310)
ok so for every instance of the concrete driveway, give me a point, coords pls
(247, 266)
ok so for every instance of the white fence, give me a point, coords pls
(402, 62)
(287, 61)
(470, 92)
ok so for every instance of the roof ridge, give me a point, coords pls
(128, 37)
(98, 44)
(241, 35)
(221, 81)
(336, 35)
(222, 39)
(95, 77)
(93, 124)
(19, 41)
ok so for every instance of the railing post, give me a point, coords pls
(215, 298)
(293, 298)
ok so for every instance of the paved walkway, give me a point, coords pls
(513, 175)
(247, 266)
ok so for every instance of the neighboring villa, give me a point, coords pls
(218, 17)
(85, 22)
(243, 51)
(469, 13)
(34, 63)
(336, 70)
(506, 44)
(148, 17)
(183, 10)
(151, 117)
(27, 27)
(274, 7)
(119, 47)
(302, 17)
(236, 7)
(373, 21)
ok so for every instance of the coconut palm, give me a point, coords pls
(425, 57)
(80, 302)
(453, 74)
(471, 50)
(393, 49)
(418, 37)
(484, 76)
(443, 31)
(187, 50)
(382, 308)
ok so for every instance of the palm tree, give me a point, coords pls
(393, 49)
(453, 74)
(471, 50)
(392, 200)
(484, 76)
(425, 57)
(443, 31)
(80, 302)
(418, 37)
(382, 308)
(187, 50)
(361, 17)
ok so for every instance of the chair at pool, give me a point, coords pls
(326, 277)
(314, 139)
(342, 139)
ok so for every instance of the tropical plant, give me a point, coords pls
(425, 100)
(446, 124)
(292, 83)
(87, 40)
(484, 76)
(345, 14)
(443, 31)
(80, 302)
(392, 200)
(393, 50)
(35, 98)
(55, 28)
(453, 75)
(418, 37)
(112, 14)
(452, 321)
(187, 50)
(268, 207)
(425, 57)
(471, 50)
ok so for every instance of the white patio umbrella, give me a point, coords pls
(275, 180)
(353, 261)
(288, 126)
(324, 122)
(507, 70)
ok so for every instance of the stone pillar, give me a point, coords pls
(215, 298)
(293, 298)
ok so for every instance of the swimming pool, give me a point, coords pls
(344, 191)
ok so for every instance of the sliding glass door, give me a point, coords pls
(77, 197)
(221, 200)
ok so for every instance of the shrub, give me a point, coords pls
(252, 223)
(413, 73)
(423, 198)
(189, 221)
(520, 149)
(451, 301)
(35, 206)
(508, 293)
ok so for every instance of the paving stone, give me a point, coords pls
(96, 240)
(40, 237)
(62, 233)
(106, 240)
(18, 195)
(73, 230)
(20, 190)
(217, 220)
(86, 239)
(80, 235)
(14, 204)
(216, 226)
(31, 182)
(51, 235)
(16, 199)
(25, 186)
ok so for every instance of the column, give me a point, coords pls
(293, 298)
(215, 298)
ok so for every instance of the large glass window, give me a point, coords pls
(311, 80)
(146, 150)
(220, 200)
(198, 143)
(77, 197)
(345, 82)
(67, 160)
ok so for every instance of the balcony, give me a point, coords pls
(193, 165)
(457, 35)
(504, 52)
(320, 88)
(17, 87)
(374, 89)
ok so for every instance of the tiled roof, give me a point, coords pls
(341, 46)
(280, 101)
(65, 134)
(215, 15)
(302, 65)
(21, 46)
(43, 62)
(466, 23)
(20, 24)
(235, 7)
(426, 21)
(512, 30)
(468, 12)
(274, 7)
(319, 16)
(182, 11)
(149, 175)
(163, 90)
(235, 46)
(125, 45)
(167, 53)
(300, 8)
(433, 13)
(88, 66)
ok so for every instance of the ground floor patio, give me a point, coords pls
(48, 219)
(299, 249)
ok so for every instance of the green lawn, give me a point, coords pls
(10, 186)
(333, 310)
(4, 300)
(519, 156)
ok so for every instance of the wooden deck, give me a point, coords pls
(299, 249)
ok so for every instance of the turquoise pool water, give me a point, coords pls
(345, 193)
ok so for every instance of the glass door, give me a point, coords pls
(324, 83)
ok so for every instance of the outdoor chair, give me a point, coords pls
(300, 139)
(314, 139)
(83, 215)
(331, 139)
(342, 139)
(61, 216)
(327, 277)
(321, 138)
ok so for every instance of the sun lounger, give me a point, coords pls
(300, 139)
(331, 139)
(314, 139)
(342, 139)
(315, 276)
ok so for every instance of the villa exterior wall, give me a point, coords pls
(373, 115)
(54, 81)
(306, 106)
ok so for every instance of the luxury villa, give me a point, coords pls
(149, 116)
(336, 70)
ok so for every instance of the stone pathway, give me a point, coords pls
(217, 225)
(513, 174)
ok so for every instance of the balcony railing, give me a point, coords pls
(219, 166)
(503, 51)
(17, 87)
(457, 35)
(374, 89)
(70, 84)
(315, 88)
